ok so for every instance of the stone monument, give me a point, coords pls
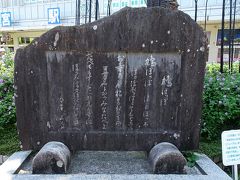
(172, 4)
(125, 82)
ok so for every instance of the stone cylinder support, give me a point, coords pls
(165, 158)
(53, 158)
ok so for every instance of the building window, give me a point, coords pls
(6, 39)
(236, 40)
(208, 33)
(25, 40)
(115, 5)
(5, 3)
(200, 3)
(18, 3)
(83, 7)
(185, 3)
(236, 54)
(214, 2)
(26, 1)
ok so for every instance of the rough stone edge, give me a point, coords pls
(204, 163)
(52, 150)
(162, 151)
(13, 163)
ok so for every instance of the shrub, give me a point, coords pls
(221, 101)
(7, 105)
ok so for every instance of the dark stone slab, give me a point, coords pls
(125, 82)
(173, 4)
(165, 158)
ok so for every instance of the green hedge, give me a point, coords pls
(221, 101)
(7, 105)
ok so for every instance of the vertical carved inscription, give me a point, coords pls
(118, 89)
(76, 94)
(90, 65)
(61, 112)
(166, 83)
(154, 98)
(133, 89)
(150, 64)
(104, 95)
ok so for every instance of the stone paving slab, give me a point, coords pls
(208, 170)
(116, 177)
(14, 162)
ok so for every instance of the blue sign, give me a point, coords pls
(53, 16)
(6, 19)
(236, 37)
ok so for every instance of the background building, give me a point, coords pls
(212, 13)
(23, 20)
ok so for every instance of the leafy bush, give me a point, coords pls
(9, 142)
(191, 158)
(221, 101)
(7, 105)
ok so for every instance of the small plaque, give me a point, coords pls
(231, 147)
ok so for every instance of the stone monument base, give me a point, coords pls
(109, 165)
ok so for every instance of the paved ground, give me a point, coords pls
(95, 162)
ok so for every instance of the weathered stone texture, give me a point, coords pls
(173, 4)
(53, 158)
(124, 82)
(165, 158)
